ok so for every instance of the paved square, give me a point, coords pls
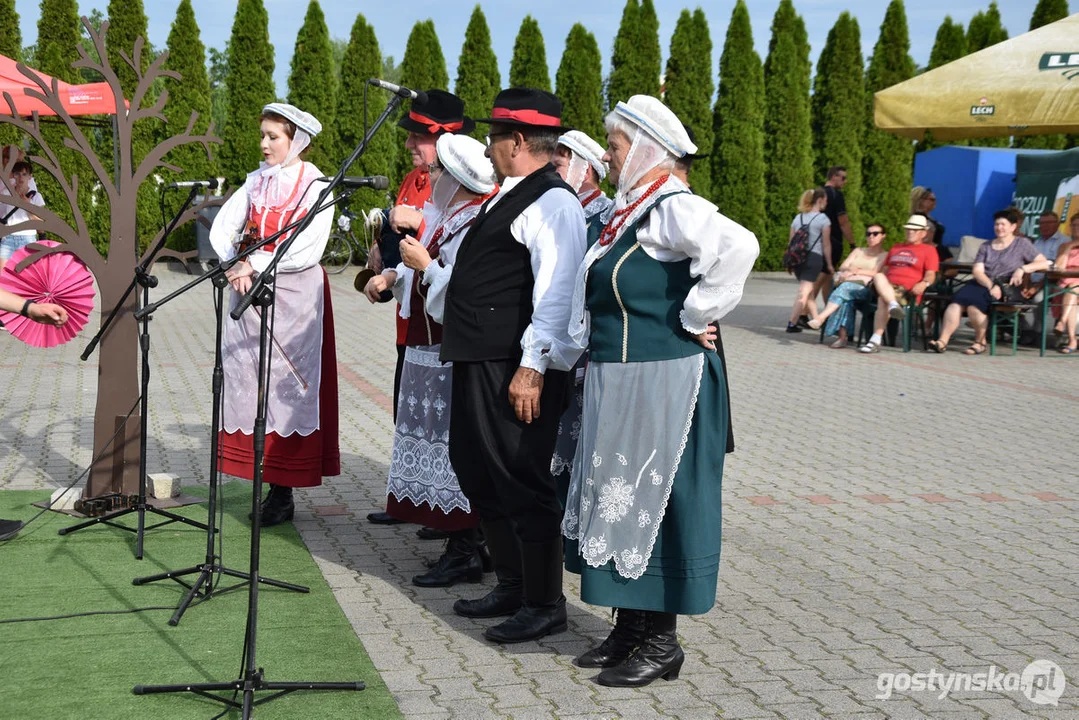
(897, 513)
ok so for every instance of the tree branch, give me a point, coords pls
(154, 159)
(194, 212)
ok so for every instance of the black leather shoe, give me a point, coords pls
(504, 599)
(459, 563)
(626, 636)
(278, 506)
(530, 623)
(383, 518)
(659, 656)
(427, 533)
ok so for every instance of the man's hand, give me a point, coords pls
(525, 390)
(919, 288)
(413, 254)
(707, 339)
(377, 285)
(405, 219)
(47, 313)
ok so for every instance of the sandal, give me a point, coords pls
(1067, 350)
(975, 349)
(937, 346)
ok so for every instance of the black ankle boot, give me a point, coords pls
(626, 636)
(459, 563)
(505, 598)
(544, 609)
(659, 655)
(278, 506)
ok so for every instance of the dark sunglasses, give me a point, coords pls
(873, 233)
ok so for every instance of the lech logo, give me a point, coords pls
(983, 108)
(1066, 62)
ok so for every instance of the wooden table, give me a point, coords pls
(1052, 290)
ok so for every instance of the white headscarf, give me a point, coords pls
(272, 186)
(657, 137)
(585, 154)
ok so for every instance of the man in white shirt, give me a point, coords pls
(506, 332)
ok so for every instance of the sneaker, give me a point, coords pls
(896, 312)
(869, 347)
(792, 328)
(814, 324)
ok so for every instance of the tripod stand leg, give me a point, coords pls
(191, 595)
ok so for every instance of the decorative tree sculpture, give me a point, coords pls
(118, 387)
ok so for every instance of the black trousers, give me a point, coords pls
(503, 464)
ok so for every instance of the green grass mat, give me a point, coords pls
(85, 667)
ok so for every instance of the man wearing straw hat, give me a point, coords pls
(506, 320)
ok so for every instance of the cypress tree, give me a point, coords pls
(621, 83)
(950, 44)
(738, 154)
(579, 84)
(787, 135)
(478, 79)
(312, 84)
(529, 65)
(423, 67)
(218, 62)
(11, 46)
(985, 29)
(250, 88)
(363, 60)
(58, 32)
(838, 133)
(187, 56)
(1048, 11)
(887, 165)
(648, 51)
(127, 22)
(688, 89)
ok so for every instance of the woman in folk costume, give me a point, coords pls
(301, 421)
(422, 485)
(579, 160)
(643, 511)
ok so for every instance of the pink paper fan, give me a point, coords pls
(61, 279)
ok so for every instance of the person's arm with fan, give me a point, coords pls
(46, 313)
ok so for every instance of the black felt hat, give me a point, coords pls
(527, 107)
(443, 112)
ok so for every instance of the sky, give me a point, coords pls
(393, 22)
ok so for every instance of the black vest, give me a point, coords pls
(489, 298)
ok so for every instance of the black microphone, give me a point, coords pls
(210, 184)
(375, 182)
(418, 95)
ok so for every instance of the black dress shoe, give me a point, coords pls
(429, 533)
(626, 636)
(504, 599)
(383, 518)
(459, 563)
(530, 623)
(278, 507)
(659, 656)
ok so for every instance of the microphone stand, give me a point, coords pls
(252, 677)
(145, 280)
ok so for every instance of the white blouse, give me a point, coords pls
(20, 215)
(437, 275)
(306, 251)
(721, 253)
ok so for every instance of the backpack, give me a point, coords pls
(798, 248)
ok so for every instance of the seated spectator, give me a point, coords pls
(811, 217)
(1068, 259)
(22, 175)
(854, 278)
(1002, 262)
(909, 269)
(922, 202)
(1048, 243)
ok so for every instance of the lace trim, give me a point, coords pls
(721, 289)
(690, 327)
(425, 358)
(633, 557)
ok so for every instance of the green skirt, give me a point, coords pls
(682, 572)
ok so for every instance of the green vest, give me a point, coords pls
(635, 301)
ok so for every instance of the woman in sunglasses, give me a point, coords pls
(854, 278)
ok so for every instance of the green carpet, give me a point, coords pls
(85, 667)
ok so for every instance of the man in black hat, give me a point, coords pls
(506, 319)
(425, 122)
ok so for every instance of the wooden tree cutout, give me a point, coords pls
(118, 386)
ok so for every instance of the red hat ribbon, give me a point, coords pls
(532, 117)
(434, 127)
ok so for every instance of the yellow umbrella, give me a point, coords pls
(1028, 85)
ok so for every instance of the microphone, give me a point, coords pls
(418, 95)
(210, 184)
(375, 182)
